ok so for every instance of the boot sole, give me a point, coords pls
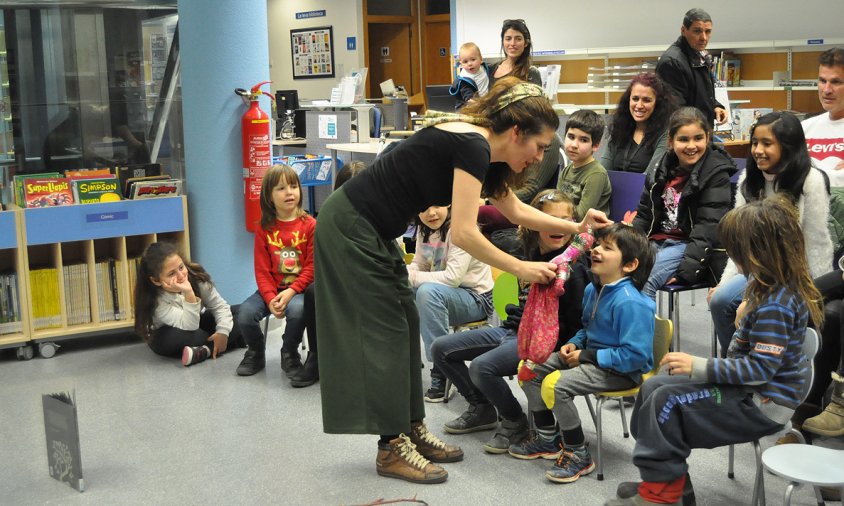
(823, 432)
(495, 451)
(446, 460)
(429, 481)
(569, 479)
(534, 456)
(302, 384)
(476, 428)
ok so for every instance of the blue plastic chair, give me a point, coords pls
(626, 191)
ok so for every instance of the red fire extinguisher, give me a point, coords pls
(257, 151)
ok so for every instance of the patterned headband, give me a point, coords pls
(518, 92)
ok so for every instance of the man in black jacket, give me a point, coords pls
(686, 66)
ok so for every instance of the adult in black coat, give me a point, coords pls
(686, 66)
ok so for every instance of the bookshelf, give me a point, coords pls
(759, 60)
(78, 262)
(13, 333)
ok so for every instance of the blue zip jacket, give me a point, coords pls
(618, 329)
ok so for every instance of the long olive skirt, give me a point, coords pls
(367, 327)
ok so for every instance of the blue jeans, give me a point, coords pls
(669, 254)
(441, 307)
(254, 309)
(723, 306)
(493, 353)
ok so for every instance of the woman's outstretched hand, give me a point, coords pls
(537, 272)
(595, 219)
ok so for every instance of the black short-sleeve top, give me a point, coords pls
(417, 174)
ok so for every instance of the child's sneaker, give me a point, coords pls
(511, 432)
(571, 465)
(194, 355)
(535, 447)
(437, 391)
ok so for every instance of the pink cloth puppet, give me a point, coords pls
(539, 328)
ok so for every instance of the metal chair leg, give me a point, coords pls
(759, 481)
(674, 316)
(591, 410)
(788, 491)
(731, 461)
(599, 407)
(623, 417)
(447, 390)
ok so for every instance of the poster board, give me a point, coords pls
(312, 50)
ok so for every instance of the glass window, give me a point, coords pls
(388, 7)
(86, 87)
(439, 7)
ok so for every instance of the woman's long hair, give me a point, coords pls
(794, 164)
(623, 125)
(765, 241)
(146, 293)
(521, 68)
(533, 115)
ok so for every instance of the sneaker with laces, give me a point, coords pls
(194, 355)
(253, 361)
(437, 391)
(511, 432)
(399, 459)
(571, 465)
(291, 362)
(535, 447)
(431, 447)
(477, 417)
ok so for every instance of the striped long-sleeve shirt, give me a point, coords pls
(766, 354)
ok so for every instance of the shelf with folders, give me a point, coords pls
(81, 264)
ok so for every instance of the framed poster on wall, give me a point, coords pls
(313, 52)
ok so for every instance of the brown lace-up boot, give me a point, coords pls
(431, 447)
(399, 459)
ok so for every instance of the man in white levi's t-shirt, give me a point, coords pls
(825, 132)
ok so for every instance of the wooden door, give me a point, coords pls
(437, 49)
(389, 56)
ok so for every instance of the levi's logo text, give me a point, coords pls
(820, 149)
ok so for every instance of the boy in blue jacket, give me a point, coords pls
(611, 352)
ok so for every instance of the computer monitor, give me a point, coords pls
(286, 100)
(439, 99)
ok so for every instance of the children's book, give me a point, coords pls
(47, 192)
(127, 172)
(93, 190)
(87, 173)
(61, 425)
(17, 184)
(155, 189)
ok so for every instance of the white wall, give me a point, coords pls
(568, 24)
(347, 21)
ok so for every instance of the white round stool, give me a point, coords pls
(799, 463)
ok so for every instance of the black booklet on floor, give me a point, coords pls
(60, 424)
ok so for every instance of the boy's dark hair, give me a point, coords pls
(633, 244)
(589, 122)
(696, 14)
(832, 57)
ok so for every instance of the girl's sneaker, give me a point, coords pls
(194, 355)
(534, 447)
